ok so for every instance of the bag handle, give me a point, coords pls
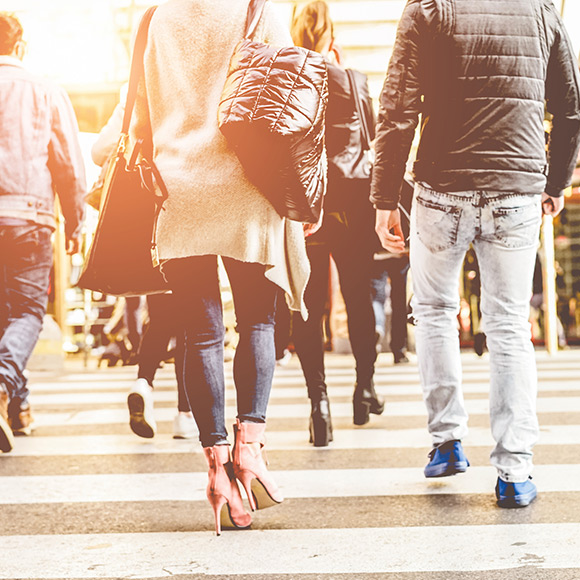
(362, 119)
(137, 67)
(255, 11)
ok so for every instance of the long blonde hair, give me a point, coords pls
(312, 28)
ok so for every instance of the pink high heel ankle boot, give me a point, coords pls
(250, 468)
(223, 492)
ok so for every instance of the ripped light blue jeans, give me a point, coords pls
(504, 231)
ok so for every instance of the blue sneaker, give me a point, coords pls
(515, 495)
(447, 459)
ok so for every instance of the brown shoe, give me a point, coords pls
(6, 439)
(20, 419)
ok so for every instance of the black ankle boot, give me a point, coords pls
(320, 422)
(364, 402)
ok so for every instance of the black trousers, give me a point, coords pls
(164, 323)
(353, 257)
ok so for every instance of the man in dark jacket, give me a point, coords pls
(39, 154)
(479, 74)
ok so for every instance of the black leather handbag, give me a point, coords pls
(354, 164)
(272, 113)
(122, 259)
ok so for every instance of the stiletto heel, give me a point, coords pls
(223, 492)
(217, 503)
(320, 422)
(250, 468)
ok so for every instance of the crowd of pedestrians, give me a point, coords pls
(481, 177)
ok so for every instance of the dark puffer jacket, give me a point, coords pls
(479, 73)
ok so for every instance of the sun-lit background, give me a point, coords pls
(85, 44)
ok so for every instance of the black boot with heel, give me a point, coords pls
(320, 421)
(366, 401)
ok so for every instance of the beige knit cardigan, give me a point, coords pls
(212, 207)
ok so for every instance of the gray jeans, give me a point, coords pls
(504, 232)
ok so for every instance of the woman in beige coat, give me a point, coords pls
(213, 210)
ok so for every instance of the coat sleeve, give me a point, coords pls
(399, 109)
(563, 102)
(66, 165)
(273, 29)
(108, 137)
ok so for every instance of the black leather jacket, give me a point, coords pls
(480, 74)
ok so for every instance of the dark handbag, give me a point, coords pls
(355, 162)
(272, 113)
(122, 259)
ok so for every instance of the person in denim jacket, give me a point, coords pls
(39, 156)
(480, 84)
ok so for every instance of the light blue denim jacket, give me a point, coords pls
(40, 153)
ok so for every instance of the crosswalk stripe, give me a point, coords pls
(293, 484)
(331, 551)
(553, 435)
(86, 394)
(392, 409)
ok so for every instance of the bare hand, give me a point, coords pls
(73, 245)
(388, 228)
(310, 229)
(552, 205)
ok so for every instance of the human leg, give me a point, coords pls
(157, 336)
(195, 285)
(397, 269)
(183, 423)
(254, 363)
(353, 261)
(134, 324)
(6, 436)
(506, 251)
(25, 263)
(308, 338)
(379, 297)
(442, 227)
(152, 351)
(282, 329)
(255, 359)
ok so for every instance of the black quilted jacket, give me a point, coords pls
(479, 72)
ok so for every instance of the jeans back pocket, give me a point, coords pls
(437, 224)
(517, 227)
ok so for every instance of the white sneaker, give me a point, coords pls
(286, 358)
(184, 426)
(140, 403)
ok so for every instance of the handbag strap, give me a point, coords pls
(357, 103)
(137, 67)
(255, 11)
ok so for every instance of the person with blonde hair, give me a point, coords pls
(313, 28)
(344, 234)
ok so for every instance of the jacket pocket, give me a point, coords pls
(437, 224)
